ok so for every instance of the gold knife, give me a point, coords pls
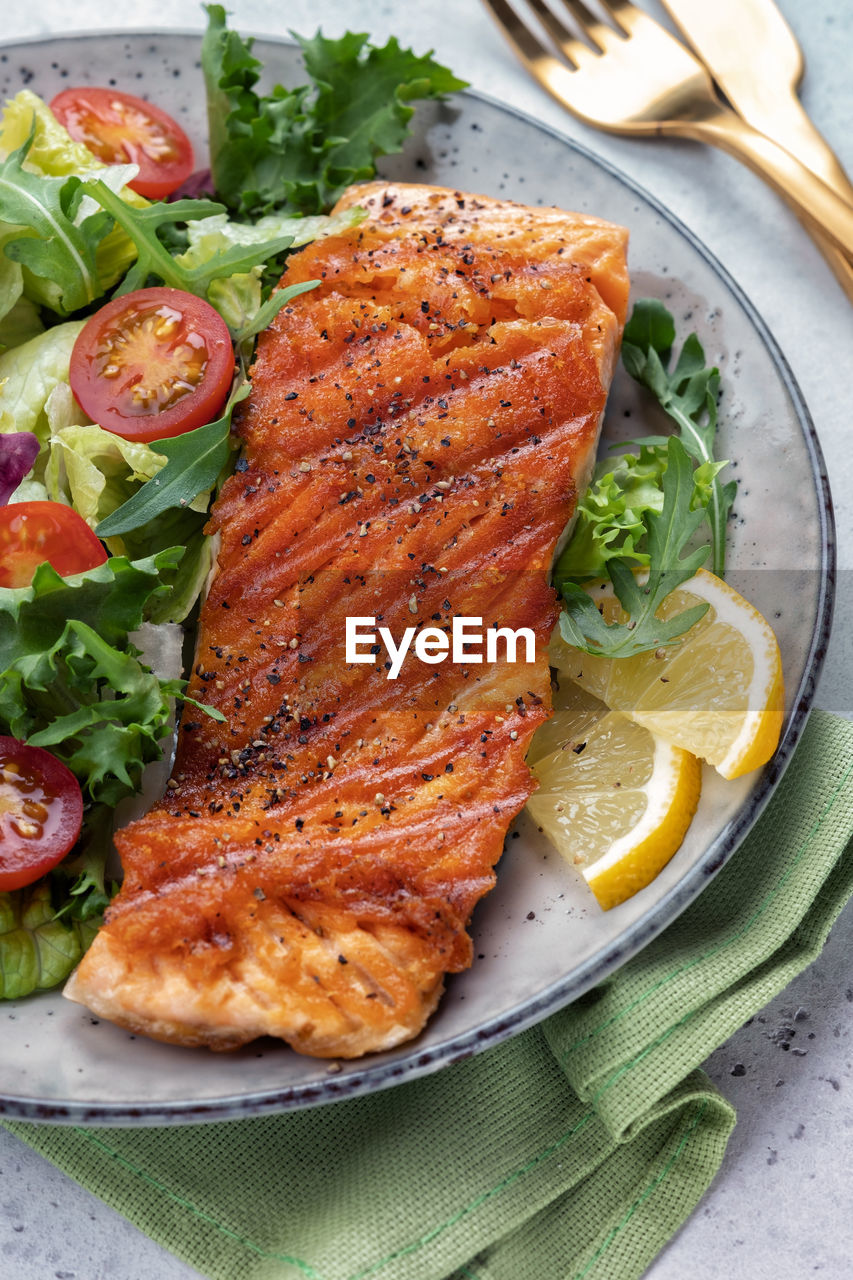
(754, 57)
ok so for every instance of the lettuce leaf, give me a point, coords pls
(112, 598)
(29, 373)
(300, 148)
(54, 153)
(94, 470)
(115, 710)
(239, 298)
(52, 150)
(97, 472)
(71, 680)
(20, 323)
(30, 489)
(671, 561)
(612, 516)
(37, 949)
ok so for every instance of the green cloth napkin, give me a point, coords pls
(572, 1151)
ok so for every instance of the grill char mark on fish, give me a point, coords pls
(418, 430)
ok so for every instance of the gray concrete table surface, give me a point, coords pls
(780, 1208)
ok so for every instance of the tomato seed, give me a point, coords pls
(26, 829)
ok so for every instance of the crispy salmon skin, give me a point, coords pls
(417, 433)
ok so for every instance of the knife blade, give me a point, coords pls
(755, 59)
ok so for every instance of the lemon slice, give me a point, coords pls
(614, 799)
(717, 691)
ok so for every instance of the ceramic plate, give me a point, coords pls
(539, 938)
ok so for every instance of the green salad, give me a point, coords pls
(113, 253)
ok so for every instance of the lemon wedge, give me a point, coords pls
(717, 691)
(614, 799)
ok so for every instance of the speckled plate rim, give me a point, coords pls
(635, 936)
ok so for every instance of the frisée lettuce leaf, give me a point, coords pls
(300, 148)
(639, 521)
(611, 516)
(670, 563)
(71, 680)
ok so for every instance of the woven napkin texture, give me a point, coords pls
(572, 1151)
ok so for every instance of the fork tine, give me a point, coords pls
(621, 12)
(571, 48)
(650, 84)
(596, 31)
(528, 45)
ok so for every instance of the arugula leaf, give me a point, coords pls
(268, 310)
(195, 462)
(144, 226)
(244, 300)
(194, 272)
(688, 394)
(610, 518)
(53, 246)
(668, 533)
(302, 147)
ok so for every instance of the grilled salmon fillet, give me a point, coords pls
(417, 433)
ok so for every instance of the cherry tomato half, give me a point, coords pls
(32, 532)
(121, 129)
(153, 364)
(41, 811)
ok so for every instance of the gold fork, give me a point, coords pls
(634, 77)
(759, 72)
